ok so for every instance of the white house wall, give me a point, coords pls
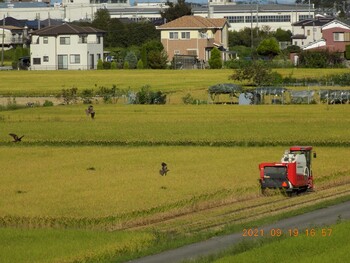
(53, 49)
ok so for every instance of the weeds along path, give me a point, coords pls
(241, 211)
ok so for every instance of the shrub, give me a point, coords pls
(347, 52)
(146, 96)
(106, 65)
(87, 95)
(68, 95)
(126, 65)
(139, 64)
(215, 61)
(258, 73)
(320, 59)
(100, 64)
(113, 65)
(47, 103)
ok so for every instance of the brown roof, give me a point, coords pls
(195, 22)
(66, 29)
(11, 27)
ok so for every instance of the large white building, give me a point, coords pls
(256, 15)
(239, 15)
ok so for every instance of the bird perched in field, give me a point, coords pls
(164, 169)
(16, 138)
(90, 111)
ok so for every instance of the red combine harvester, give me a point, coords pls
(292, 174)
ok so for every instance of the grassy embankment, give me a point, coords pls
(324, 244)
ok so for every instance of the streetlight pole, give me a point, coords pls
(3, 40)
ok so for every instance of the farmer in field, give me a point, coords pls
(90, 111)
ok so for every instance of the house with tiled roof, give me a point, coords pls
(335, 37)
(66, 47)
(194, 36)
(308, 30)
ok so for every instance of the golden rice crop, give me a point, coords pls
(99, 182)
(320, 125)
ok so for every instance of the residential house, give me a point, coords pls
(195, 36)
(335, 37)
(308, 31)
(12, 36)
(66, 47)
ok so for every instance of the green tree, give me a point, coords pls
(116, 34)
(215, 61)
(283, 35)
(269, 47)
(148, 51)
(181, 8)
(131, 59)
(144, 56)
(102, 19)
(157, 59)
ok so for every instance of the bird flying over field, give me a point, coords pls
(16, 138)
(164, 169)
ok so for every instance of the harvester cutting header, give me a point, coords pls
(292, 174)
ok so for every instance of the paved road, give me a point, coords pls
(325, 216)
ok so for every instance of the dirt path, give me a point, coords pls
(321, 217)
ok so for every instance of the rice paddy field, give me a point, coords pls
(39, 83)
(83, 190)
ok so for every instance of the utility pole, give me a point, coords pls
(3, 40)
(251, 25)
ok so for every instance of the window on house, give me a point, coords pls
(173, 35)
(82, 39)
(46, 59)
(65, 40)
(185, 35)
(99, 39)
(45, 40)
(338, 36)
(75, 59)
(36, 61)
(308, 32)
